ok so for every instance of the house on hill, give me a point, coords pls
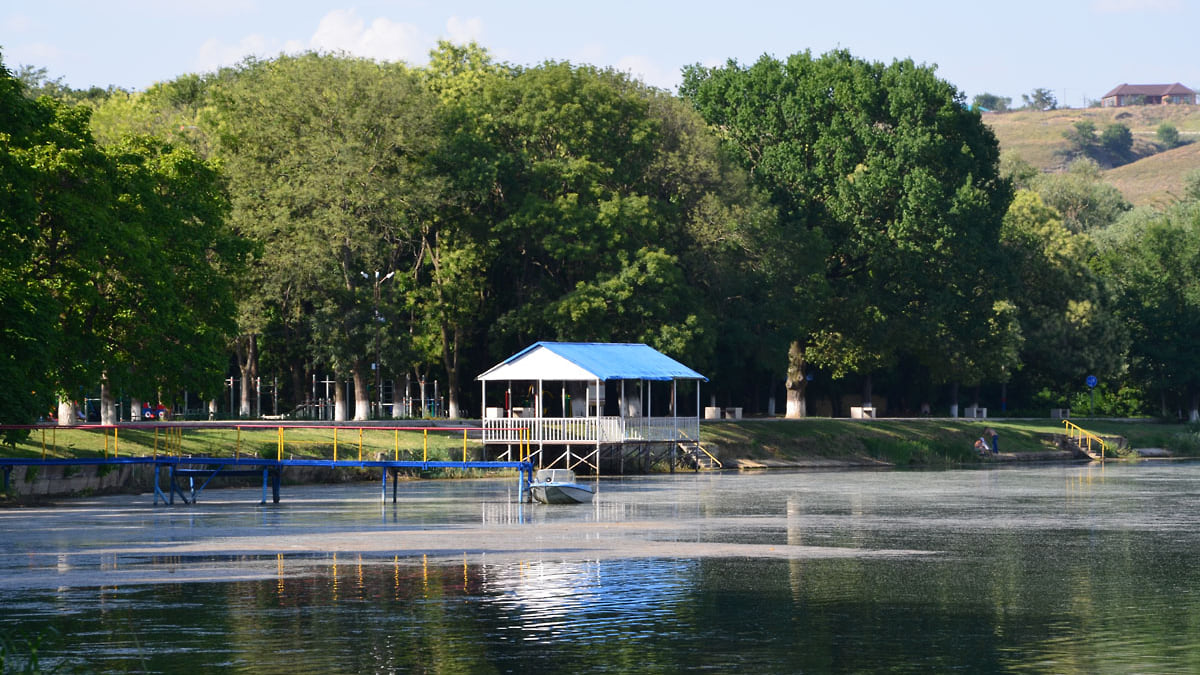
(1148, 94)
(586, 404)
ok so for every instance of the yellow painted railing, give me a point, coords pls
(1084, 438)
(167, 439)
(701, 448)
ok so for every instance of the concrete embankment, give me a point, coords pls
(36, 482)
(40, 483)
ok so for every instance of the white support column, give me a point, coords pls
(674, 410)
(599, 417)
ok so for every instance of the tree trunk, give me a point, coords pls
(339, 400)
(867, 390)
(398, 400)
(796, 383)
(300, 390)
(954, 399)
(108, 407)
(247, 356)
(362, 400)
(451, 341)
(1194, 414)
(67, 415)
(424, 411)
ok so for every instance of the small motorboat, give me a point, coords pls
(558, 486)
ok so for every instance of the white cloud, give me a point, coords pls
(341, 30)
(383, 39)
(214, 54)
(1126, 6)
(461, 31)
(649, 72)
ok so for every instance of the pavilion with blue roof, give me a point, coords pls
(566, 403)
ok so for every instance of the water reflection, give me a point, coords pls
(1064, 569)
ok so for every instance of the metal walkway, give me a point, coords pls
(205, 469)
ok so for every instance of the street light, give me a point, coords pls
(378, 324)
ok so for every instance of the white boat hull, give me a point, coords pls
(561, 493)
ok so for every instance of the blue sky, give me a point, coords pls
(1078, 49)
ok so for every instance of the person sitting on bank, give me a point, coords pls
(995, 438)
(981, 446)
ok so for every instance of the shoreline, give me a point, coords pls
(51, 491)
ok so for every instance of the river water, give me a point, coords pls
(1049, 568)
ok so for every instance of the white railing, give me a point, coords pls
(589, 429)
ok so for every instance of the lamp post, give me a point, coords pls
(378, 323)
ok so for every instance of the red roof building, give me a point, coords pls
(1148, 94)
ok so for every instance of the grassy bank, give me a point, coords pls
(902, 442)
(250, 441)
(929, 442)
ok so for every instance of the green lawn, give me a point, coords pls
(219, 441)
(916, 441)
(897, 441)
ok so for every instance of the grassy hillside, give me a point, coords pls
(1153, 180)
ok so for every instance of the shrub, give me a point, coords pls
(1167, 134)
(1124, 402)
(1186, 442)
(1117, 138)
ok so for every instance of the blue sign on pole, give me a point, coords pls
(1091, 381)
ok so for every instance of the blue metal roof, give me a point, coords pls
(617, 361)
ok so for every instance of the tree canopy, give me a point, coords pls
(119, 264)
(883, 176)
(792, 223)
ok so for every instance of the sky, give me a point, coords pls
(1077, 49)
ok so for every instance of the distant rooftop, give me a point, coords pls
(1175, 89)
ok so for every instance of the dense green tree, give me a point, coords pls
(1017, 171)
(1081, 197)
(733, 255)
(1167, 134)
(585, 220)
(122, 248)
(178, 260)
(1152, 260)
(1040, 99)
(992, 102)
(1082, 136)
(29, 341)
(36, 82)
(1117, 139)
(451, 284)
(327, 161)
(889, 182)
(1066, 317)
